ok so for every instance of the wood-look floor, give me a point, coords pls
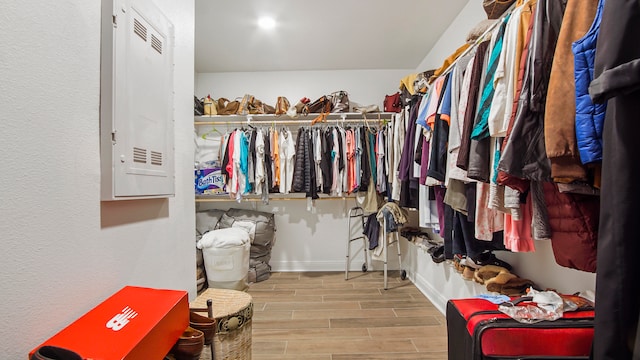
(320, 316)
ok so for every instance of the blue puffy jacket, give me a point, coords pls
(589, 116)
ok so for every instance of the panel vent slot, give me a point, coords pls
(156, 44)
(156, 158)
(140, 29)
(139, 155)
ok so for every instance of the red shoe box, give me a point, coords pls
(134, 323)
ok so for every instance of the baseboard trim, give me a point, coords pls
(436, 298)
(295, 266)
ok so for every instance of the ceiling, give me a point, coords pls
(318, 35)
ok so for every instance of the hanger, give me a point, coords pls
(366, 123)
(212, 131)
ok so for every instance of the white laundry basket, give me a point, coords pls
(226, 258)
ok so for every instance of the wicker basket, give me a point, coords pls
(233, 311)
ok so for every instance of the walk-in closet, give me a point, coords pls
(277, 179)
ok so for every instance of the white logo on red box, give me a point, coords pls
(120, 320)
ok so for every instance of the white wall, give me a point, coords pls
(64, 251)
(454, 36)
(439, 281)
(365, 87)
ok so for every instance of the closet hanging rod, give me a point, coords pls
(481, 37)
(273, 198)
(289, 122)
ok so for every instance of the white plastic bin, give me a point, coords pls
(226, 258)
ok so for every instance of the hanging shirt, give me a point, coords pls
(351, 154)
(503, 81)
(287, 152)
(252, 160)
(343, 155)
(276, 159)
(399, 133)
(259, 165)
(481, 129)
(228, 162)
(243, 183)
(317, 156)
(358, 159)
(462, 72)
(381, 184)
(236, 178)
(434, 101)
(335, 159)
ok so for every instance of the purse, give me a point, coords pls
(256, 107)
(268, 109)
(339, 102)
(392, 103)
(226, 107)
(282, 105)
(495, 8)
(322, 105)
(198, 106)
(244, 104)
(210, 107)
(365, 109)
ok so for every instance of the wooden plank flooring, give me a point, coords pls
(320, 316)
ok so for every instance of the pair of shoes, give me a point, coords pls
(487, 258)
(468, 273)
(54, 353)
(189, 346)
(437, 253)
(457, 262)
(492, 273)
(204, 324)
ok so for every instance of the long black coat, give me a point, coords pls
(617, 78)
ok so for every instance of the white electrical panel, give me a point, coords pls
(136, 101)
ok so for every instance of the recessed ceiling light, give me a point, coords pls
(267, 23)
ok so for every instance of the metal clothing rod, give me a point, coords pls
(289, 122)
(480, 38)
(227, 199)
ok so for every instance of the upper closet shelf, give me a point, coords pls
(284, 119)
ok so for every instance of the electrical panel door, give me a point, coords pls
(136, 115)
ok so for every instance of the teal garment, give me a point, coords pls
(244, 160)
(372, 157)
(496, 160)
(481, 129)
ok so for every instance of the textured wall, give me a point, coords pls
(64, 252)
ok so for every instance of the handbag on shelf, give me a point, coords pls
(243, 109)
(226, 107)
(495, 8)
(339, 102)
(198, 106)
(256, 107)
(392, 103)
(365, 109)
(282, 105)
(210, 106)
(322, 105)
(268, 109)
